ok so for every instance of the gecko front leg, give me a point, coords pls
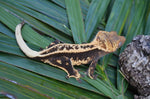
(91, 69)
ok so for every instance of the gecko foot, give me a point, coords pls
(92, 76)
(95, 76)
(82, 75)
(79, 80)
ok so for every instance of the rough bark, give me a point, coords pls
(135, 65)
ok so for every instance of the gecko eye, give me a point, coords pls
(120, 44)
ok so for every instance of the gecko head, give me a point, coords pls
(108, 41)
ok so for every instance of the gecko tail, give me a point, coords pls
(23, 46)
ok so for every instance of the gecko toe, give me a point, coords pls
(67, 77)
(79, 80)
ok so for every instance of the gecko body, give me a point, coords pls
(65, 56)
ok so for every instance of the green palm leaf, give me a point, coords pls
(71, 21)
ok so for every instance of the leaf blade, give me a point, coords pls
(75, 20)
(95, 13)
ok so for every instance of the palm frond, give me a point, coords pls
(70, 21)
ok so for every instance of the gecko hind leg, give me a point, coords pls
(54, 43)
(64, 63)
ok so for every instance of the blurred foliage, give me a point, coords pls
(70, 21)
